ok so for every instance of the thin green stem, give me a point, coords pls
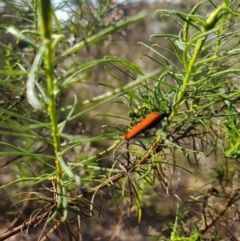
(46, 32)
(100, 35)
(209, 24)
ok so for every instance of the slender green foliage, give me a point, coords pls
(48, 96)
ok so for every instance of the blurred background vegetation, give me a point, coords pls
(108, 73)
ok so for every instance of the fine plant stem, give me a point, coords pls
(99, 36)
(46, 32)
(209, 24)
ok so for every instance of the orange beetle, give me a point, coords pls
(146, 123)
